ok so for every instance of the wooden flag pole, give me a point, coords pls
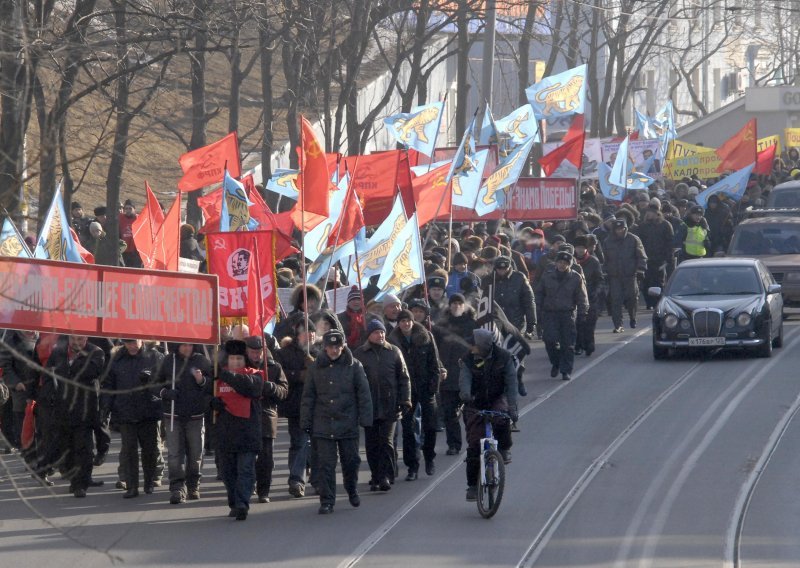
(303, 240)
(360, 287)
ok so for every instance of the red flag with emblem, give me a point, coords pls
(764, 162)
(146, 225)
(206, 165)
(260, 299)
(313, 182)
(431, 193)
(166, 244)
(350, 221)
(740, 150)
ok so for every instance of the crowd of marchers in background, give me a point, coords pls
(402, 369)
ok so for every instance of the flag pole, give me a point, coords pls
(172, 403)
(360, 287)
(301, 197)
(339, 229)
(260, 314)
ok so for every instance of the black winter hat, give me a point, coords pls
(419, 303)
(333, 337)
(457, 298)
(620, 224)
(405, 314)
(235, 347)
(437, 282)
(459, 258)
(563, 255)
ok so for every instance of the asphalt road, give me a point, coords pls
(687, 462)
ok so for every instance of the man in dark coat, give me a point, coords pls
(276, 389)
(75, 370)
(352, 319)
(390, 387)
(512, 291)
(656, 235)
(456, 325)
(422, 360)
(336, 401)
(186, 427)
(561, 293)
(16, 351)
(297, 353)
(625, 266)
(593, 277)
(239, 405)
(487, 381)
(132, 397)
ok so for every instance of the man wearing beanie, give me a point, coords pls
(419, 351)
(336, 401)
(436, 295)
(390, 387)
(459, 272)
(352, 319)
(512, 291)
(487, 381)
(239, 426)
(391, 309)
(561, 295)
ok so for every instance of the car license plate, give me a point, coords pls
(706, 341)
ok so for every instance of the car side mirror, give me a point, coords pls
(774, 289)
(654, 292)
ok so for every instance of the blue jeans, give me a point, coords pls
(239, 476)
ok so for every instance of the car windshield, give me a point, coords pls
(766, 239)
(714, 280)
(786, 198)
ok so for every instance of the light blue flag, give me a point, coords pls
(466, 148)
(490, 134)
(733, 185)
(55, 240)
(11, 242)
(316, 240)
(318, 269)
(372, 254)
(610, 191)
(425, 168)
(519, 125)
(417, 129)
(284, 182)
(403, 266)
(622, 174)
(559, 95)
(235, 215)
(490, 195)
(645, 126)
(466, 185)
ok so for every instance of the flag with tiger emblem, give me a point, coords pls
(403, 266)
(235, 214)
(11, 242)
(55, 240)
(417, 129)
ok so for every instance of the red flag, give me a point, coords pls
(87, 257)
(229, 257)
(764, 160)
(314, 181)
(206, 165)
(428, 191)
(166, 244)
(739, 151)
(146, 225)
(376, 182)
(571, 150)
(350, 221)
(260, 300)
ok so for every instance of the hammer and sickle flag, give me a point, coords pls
(313, 182)
(740, 150)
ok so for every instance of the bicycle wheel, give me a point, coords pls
(490, 492)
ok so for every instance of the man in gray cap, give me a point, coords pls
(391, 309)
(390, 386)
(336, 401)
(561, 293)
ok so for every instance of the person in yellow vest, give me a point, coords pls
(695, 242)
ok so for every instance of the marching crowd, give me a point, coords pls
(420, 365)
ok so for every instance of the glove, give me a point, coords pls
(404, 407)
(529, 335)
(169, 394)
(217, 404)
(145, 376)
(513, 414)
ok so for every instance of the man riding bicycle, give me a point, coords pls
(487, 381)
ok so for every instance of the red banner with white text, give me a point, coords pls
(229, 256)
(104, 301)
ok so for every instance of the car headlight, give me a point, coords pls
(671, 321)
(743, 319)
(685, 324)
(729, 323)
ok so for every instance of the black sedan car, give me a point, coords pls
(718, 303)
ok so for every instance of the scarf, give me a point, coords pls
(356, 326)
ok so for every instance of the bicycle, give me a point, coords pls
(492, 468)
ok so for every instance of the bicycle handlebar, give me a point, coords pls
(497, 413)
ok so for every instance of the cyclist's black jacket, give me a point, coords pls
(486, 380)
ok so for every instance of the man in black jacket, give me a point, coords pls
(186, 427)
(74, 370)
(16, 351)
(276, 388)
(656, 235)
(239, 405)
(561, 293)
(512, 291)
(390, 387)
(422, 359)
(593, 277)
(625, 265)
(336, 401)
(132, 397)
(487, 381)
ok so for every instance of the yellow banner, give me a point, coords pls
(791, 136)
(685, 160)
(764, 143)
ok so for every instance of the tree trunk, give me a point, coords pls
(265, 47)
(234, 97)
(462, 63)
(199, 119)
(524, 75)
